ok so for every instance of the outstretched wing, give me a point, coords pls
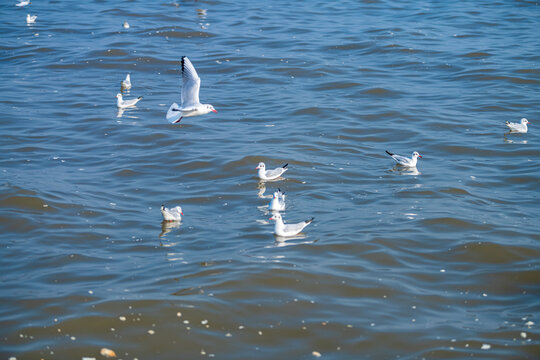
(190, 85)
(174, 113)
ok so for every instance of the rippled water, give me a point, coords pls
(441, 263)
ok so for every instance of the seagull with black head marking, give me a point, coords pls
(122, 104)
(172, 214)
(31, 19)
(405, 161)
(270, 174)
(190, 104)
(126, 84)
(520, 127)
(286, 230)
(278, 201)
(23, 3)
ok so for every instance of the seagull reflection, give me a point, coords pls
(201, 13)
(406, 170)
(290, 240)
(510, 141)
(120, 113)
(262, 188)
(168, 226)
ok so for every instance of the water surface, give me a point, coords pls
(441, 263)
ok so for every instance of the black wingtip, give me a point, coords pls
(140, 97)
(284, 166)
(388, 152)
(310, 220)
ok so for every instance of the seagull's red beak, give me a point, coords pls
(214, 110)
(419, 156)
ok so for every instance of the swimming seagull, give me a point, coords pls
(122, 104)
(30, 19)
(405, 161)
(126, 84)
(282, 229)
(518, 127)
(278, 201)
(270, 174)
(172, 214)
(23, 3)
(190, 105)
(126, 25)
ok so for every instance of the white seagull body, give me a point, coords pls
(286, 230)
(190, 105)
(270, 174)
(126, 84)
(405, 161)
(520, 127)
(30, 19)
(278, 201)
(23, 3)
(122, 104)
(126, 25)
(172, 214)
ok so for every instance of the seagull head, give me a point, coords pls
(119, 96)
(524, 121)
(211, 108)
(276, 216)
(416, 154)
(260, 166)
(179, 209)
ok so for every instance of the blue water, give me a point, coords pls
(437, 263)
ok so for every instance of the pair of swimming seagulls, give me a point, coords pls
(190, 104)
(520, 127)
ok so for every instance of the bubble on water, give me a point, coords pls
(485, 347)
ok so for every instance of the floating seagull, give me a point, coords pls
(126, 84)
(172, 214)
(126, 25)
(270, 174)
(121, 103)
(282, 229)
(405, 161)
(278, 201)
(518, 127)
(190, 105)
(30, 19)
(23, 3)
